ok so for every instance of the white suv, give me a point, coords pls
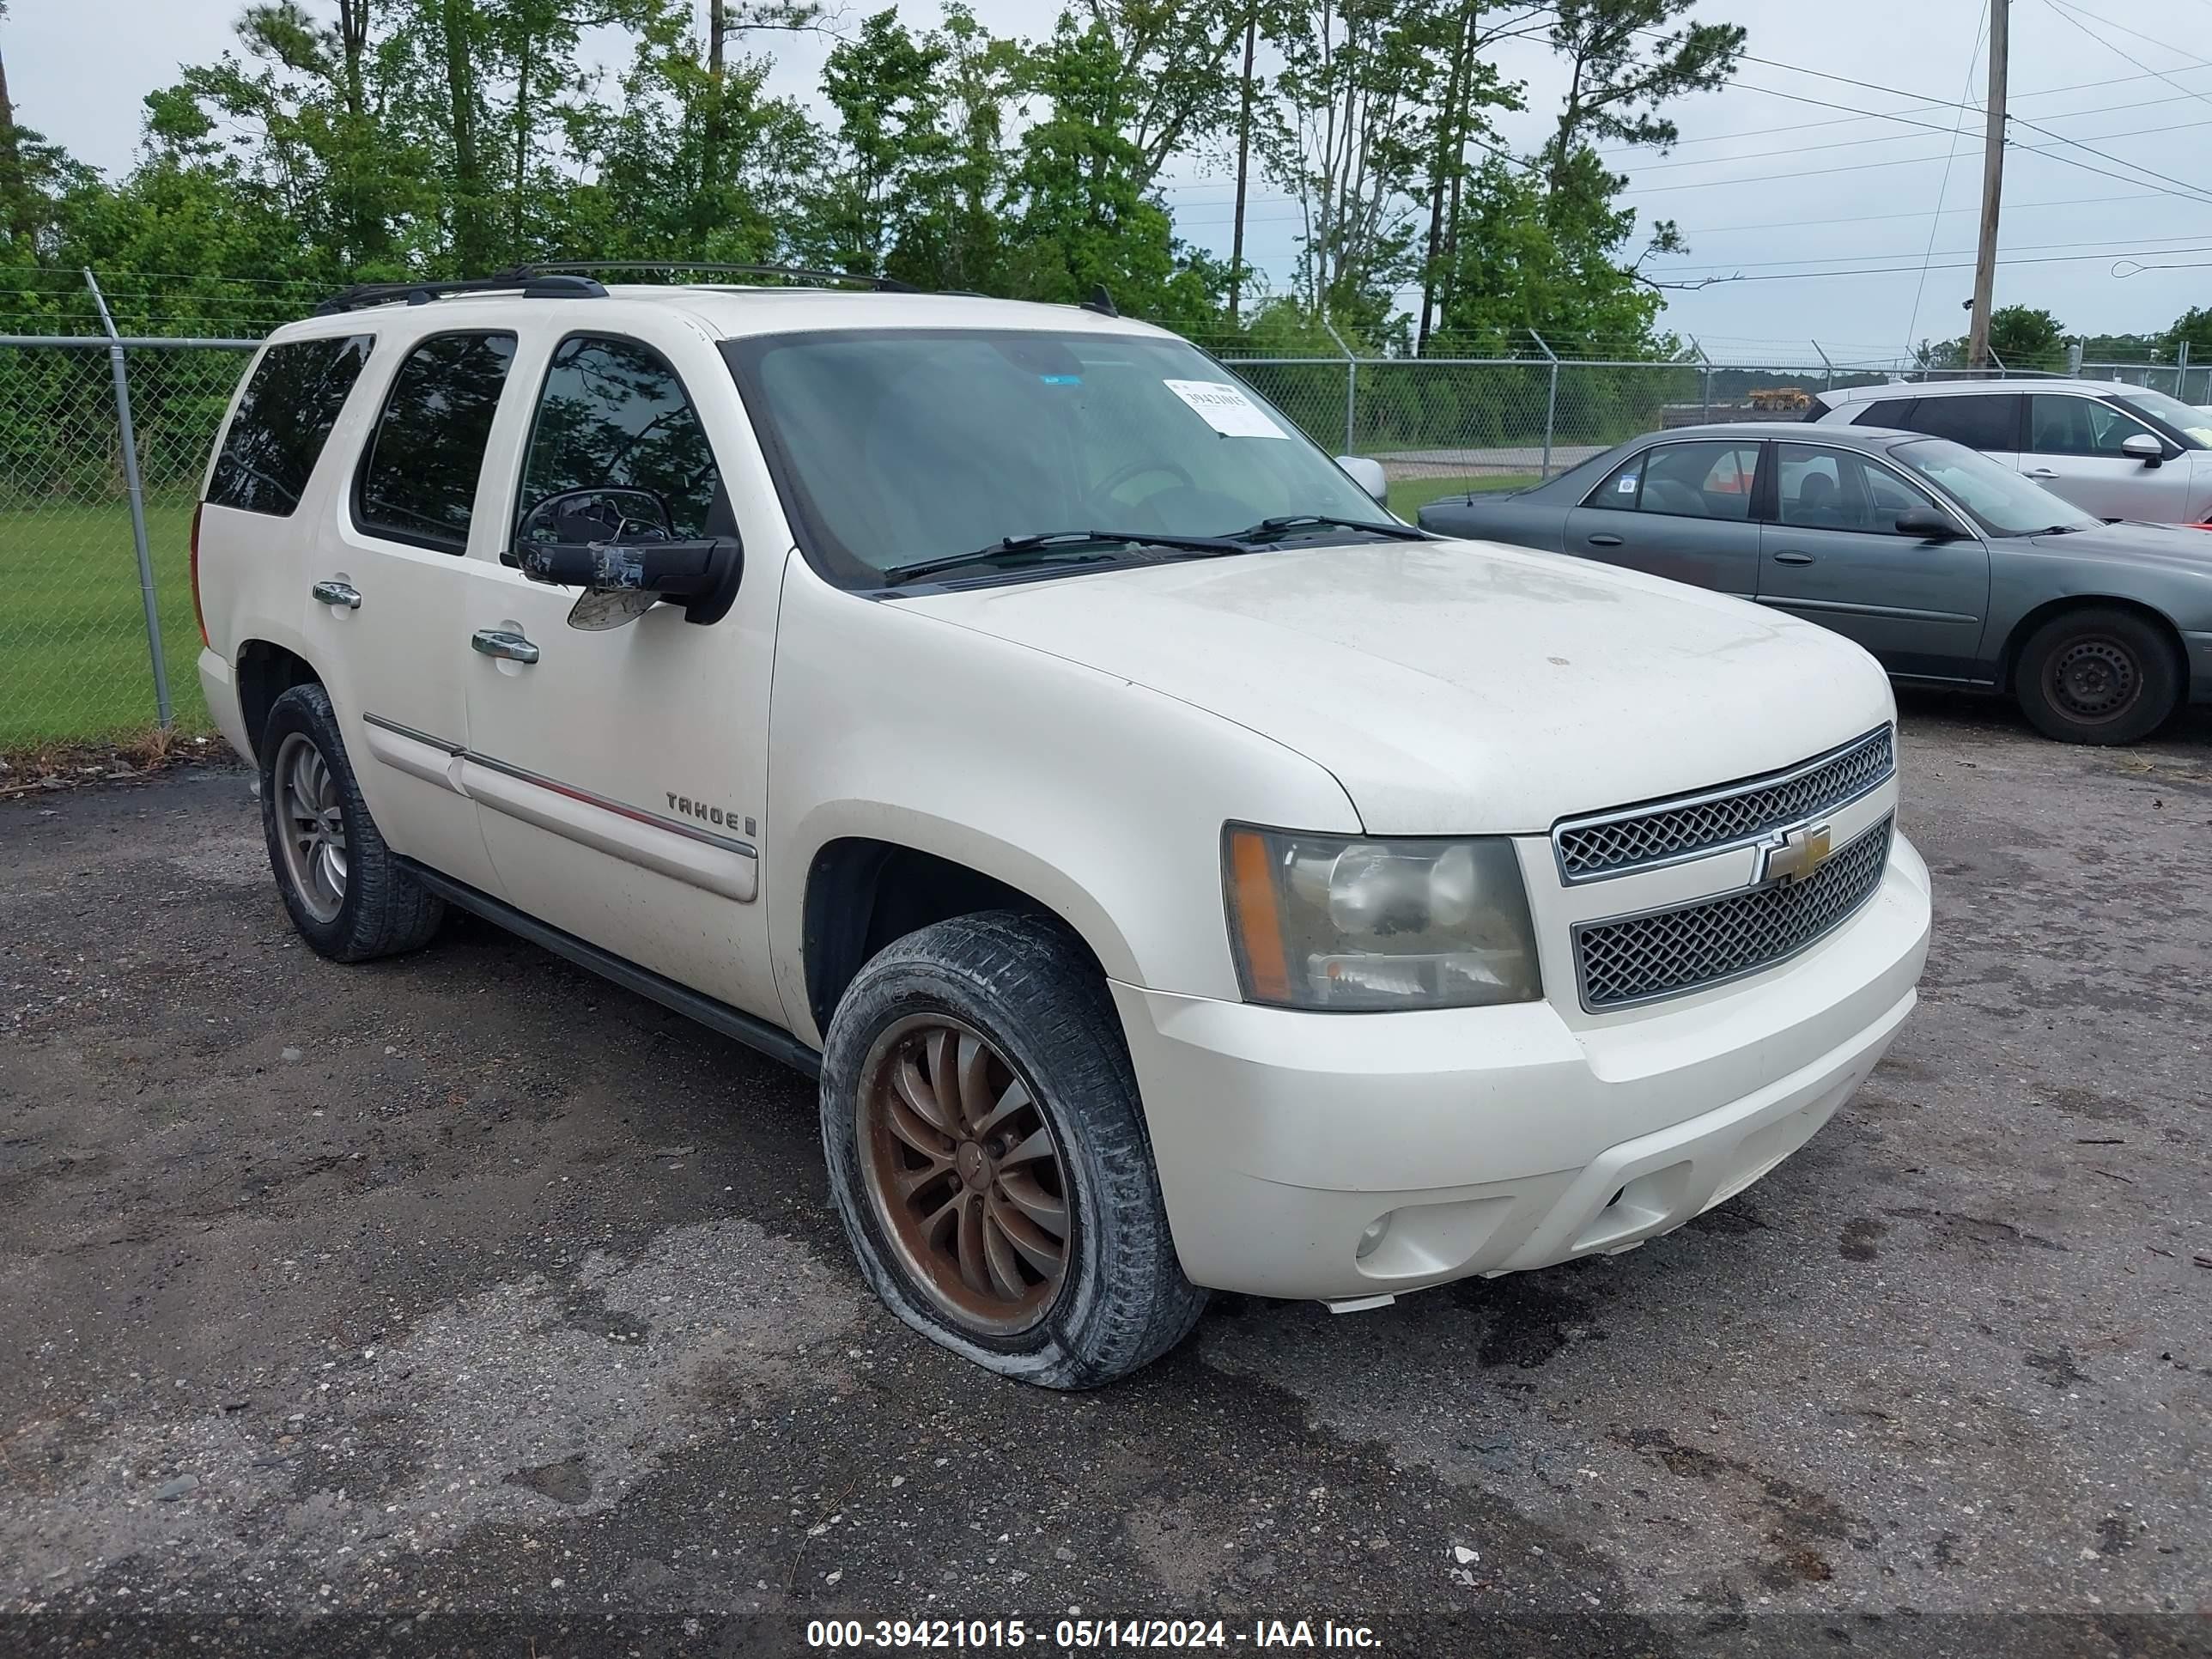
(1179, 872)
(2113, 450)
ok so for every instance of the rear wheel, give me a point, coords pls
(348, 894)
(987, 1153)
(2098, 675)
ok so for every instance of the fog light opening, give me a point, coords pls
(1378, 1229)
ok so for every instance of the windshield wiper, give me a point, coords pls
(1268, 530)
(1056, 541)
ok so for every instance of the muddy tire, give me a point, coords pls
(987, 1155)
(346, 893)
(2098, 675)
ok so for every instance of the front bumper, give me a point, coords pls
(1501, 1138)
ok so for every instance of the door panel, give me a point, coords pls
(2074, 452)
(622, 773)
(1680, 510)
(403, 521)
(1830, 558)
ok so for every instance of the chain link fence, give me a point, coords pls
(98, 638)
(97, 635)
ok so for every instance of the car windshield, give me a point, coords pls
(903, 447)
(2190, 422)
(2002, 501)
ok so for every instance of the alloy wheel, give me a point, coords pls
(311, 825)
(964, 1173)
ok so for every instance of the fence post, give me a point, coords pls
(2181, 370)
(1551, 402)
(1705, 381)
(1828, 369)
(130, 482)
(2074, 359)
(2002, 372)
(1351, 383)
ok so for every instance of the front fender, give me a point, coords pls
(1103, 800)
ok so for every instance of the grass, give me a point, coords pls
(1409, 495)
(73, 661)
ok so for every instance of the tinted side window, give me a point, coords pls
(283, 422)
(1979, 422)
(612, 415)
(1699, 481)
(1824, 488)
(418, 481)
(2058, 425)
(1889, 412)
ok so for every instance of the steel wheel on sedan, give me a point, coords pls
(2100, 675)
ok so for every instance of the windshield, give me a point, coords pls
(2190, 422)
(2002, 501)
(907, 446)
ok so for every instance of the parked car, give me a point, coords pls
(2114, 450)
(1179, 874)
(1952, 570)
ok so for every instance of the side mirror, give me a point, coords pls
(1925, 524)
(618, 546)
(1368, 475)
(2143, 447)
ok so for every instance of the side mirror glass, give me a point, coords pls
(2144, 447)
(1925, 524)
(1368, 475)
(618, 545)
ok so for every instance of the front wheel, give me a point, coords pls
(2098, 675)
(987, 1155)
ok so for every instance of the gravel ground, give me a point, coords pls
(465, 1303)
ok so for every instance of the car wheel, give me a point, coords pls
(349, 896)
(987, 1155)
(2098, 675)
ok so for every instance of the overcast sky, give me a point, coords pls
(1764, 185)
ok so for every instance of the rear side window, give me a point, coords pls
(418, 480)
(1888, 412)
(283, 420)
(1684, 480)
(1979, 421)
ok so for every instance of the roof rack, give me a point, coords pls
(531, 283)
(881, 285)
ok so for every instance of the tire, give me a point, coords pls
(2098, 675)
(361, 903)
(1009, 1010)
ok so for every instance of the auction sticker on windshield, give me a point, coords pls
(1226, 409)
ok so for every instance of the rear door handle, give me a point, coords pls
(500, 642)
(1793, 557)
(338, 595)
(1605, 541)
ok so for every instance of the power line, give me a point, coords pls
(1935, 219)
(2067, 13)
(1900, 270)
(2105, 244)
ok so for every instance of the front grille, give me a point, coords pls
(1615, 843)
(1665, 953)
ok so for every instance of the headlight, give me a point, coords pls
(1354, 924)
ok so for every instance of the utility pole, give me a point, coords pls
(1244, 165)
(1993, 143)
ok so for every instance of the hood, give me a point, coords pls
(2159, 546)
(1459, 686)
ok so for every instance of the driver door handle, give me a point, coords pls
(499, 642)
(1605, 541)
(338, 595)
(1793, 557)
(2041, 472)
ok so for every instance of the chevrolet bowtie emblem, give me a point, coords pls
(1793, 854)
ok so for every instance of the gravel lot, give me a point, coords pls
(463, 1300)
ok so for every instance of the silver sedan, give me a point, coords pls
(1952, 570)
